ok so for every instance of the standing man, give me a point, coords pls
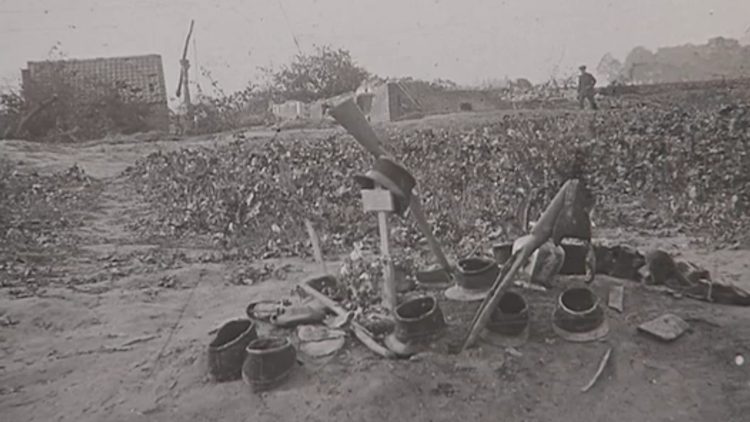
(586, 83)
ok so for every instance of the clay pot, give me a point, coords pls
(226, 352)
(579, 316)
(434, 278)
(477, 273)
(511, 316)
(418, 322)
(268, 363)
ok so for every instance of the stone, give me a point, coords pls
(667, 327)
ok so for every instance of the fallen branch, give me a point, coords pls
(599, 371)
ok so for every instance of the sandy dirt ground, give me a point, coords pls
(131, 345)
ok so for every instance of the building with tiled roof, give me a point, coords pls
(138, 79)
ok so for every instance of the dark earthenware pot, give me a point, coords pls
(419, 318)
(511, 316)
(269, 362)
(226, 353)
(502, 252)
(477, 273)
(578, 311)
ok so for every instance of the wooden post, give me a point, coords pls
(381, 201)
(389, 284)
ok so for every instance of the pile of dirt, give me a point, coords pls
(648, 167)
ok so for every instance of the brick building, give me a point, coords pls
(138, 79)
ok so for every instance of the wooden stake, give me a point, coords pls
(424, 226)
(381, 201)
(317, 251)
(389, 279)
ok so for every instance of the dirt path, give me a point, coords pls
(123, 338)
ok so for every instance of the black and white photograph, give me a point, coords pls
(374, 211)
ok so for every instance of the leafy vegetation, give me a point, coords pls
(325, 73)
(650, 166)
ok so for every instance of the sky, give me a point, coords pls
(466, 41)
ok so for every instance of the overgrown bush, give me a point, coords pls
(12, 105)
(86, 112)
(223, 112)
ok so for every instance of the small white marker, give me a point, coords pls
(739, 360)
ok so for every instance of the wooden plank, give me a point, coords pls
(377, 200)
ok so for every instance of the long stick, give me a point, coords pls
(424, 226)
(599, 371)
(361, 332)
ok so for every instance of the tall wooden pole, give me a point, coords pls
(184, 79)
(186, 88)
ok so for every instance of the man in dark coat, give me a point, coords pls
(586, 83)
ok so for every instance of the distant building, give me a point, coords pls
(291, 110)
(138, 79)
(380, 101)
